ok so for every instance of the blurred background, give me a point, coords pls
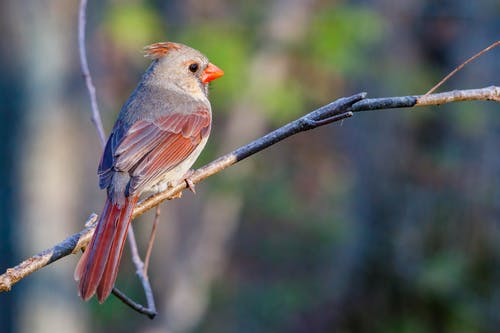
(388, 222)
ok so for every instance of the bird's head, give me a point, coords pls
(180, 66)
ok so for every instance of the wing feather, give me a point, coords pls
(149, 148)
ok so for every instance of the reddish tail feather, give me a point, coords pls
(98, 267)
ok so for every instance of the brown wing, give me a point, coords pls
(150, 148)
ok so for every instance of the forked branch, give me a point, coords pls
(340, 109)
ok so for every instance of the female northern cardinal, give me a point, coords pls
(160, 132)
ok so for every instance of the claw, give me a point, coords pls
(189, 182)
(177, 196)
(190, 185)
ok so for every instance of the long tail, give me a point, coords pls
(98, 267)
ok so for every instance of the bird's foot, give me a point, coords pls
(169, 186)
(177, 195)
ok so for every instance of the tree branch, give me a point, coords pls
(491, 93)
(335, 111)
(70, 245)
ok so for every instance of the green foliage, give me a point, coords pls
(471, 118)
(342, 38)
(282, 101)
(442, 274)
(225, 44)
(405, 324)
(132, 25)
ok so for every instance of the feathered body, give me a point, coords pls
(159, 133)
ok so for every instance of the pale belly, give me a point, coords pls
(177, 174)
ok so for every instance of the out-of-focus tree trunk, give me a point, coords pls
(11, 113)
(49, 158)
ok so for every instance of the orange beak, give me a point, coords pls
(211, 73)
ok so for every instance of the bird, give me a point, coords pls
(158, 135)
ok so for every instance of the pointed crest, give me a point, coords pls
(158, 50)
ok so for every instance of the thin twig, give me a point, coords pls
(96, 120)
(136, 306)
(152, 236)
(139, 269)
(96, 115)
(480, 53)
(139, 265)
(345, 106)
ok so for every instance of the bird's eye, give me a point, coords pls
(193, 67)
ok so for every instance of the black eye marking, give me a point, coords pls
(193, 67)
